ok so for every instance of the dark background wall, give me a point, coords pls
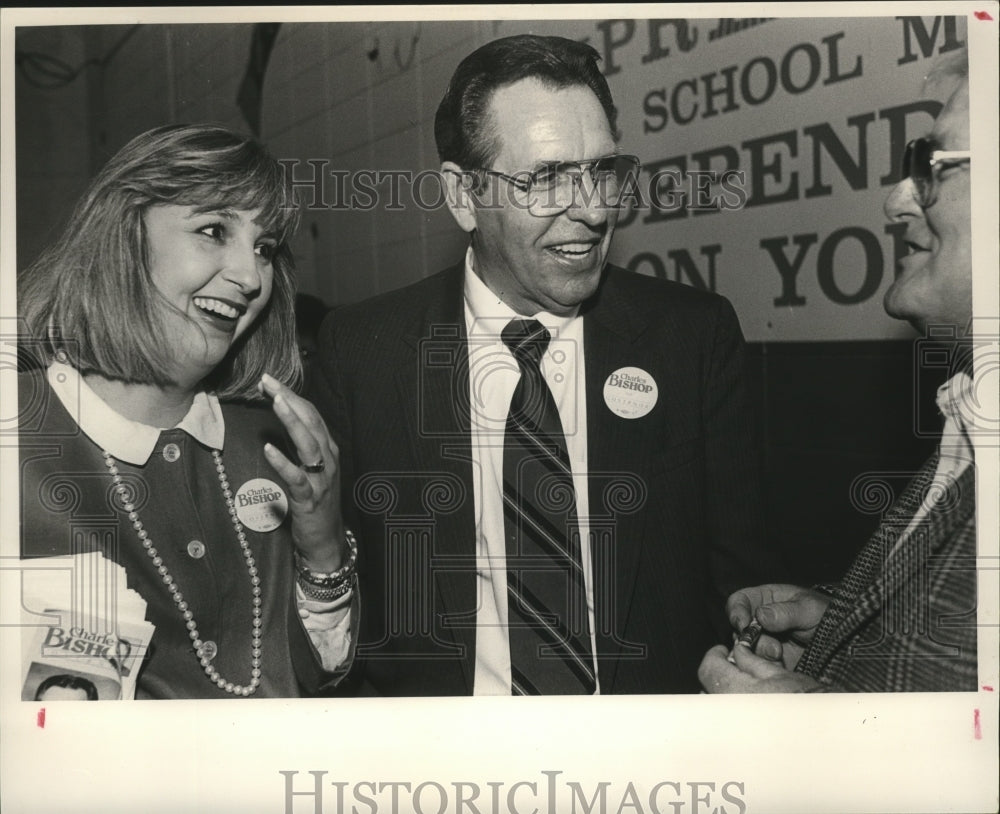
(839, 420)
(362, 95)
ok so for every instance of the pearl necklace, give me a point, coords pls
(178, 597)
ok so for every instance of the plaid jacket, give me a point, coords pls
(904, 620)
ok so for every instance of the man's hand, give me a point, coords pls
(749, 673)
(789, 615)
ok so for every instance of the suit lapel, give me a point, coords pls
(439, 431)
(902, 566)
(611, 327)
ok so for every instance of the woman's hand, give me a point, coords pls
(314, 484)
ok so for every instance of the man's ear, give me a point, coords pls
(458, 187)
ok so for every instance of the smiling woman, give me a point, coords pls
(215, 269)
(163, 313)
(100, 269)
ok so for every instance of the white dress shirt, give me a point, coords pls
(493, 376)
(962, 419)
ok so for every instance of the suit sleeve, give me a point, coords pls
(740, 553)
(327, 391)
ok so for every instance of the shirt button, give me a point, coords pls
(196, 549)
(171, 452)
(209, 649)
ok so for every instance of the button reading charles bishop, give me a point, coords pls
(261, 504)
(630, 392)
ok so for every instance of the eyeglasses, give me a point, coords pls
(554, 186)
(920, 160)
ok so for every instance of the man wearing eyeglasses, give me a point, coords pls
(903, 618)
(550, 459)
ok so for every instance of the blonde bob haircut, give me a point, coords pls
(90, 296)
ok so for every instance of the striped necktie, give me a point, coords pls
(546, 601)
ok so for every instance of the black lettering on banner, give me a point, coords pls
(771, 82)
(926, 40)
(728, 90)
(656, 112)
(728, 25)
(685, 41)
(659, 270)
(683, 261)
(789, 271)
(833, 61)
(693, 86)
(854, 172)
(873, 265)
(759, 169)
(896, 116)
(683, 266)
(674, 189)
(786, 67)
(611, 43)
(726, 176)
(754, 83)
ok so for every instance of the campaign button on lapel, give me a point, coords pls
(630, 392)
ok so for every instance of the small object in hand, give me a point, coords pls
(750, 634)
(319, 466)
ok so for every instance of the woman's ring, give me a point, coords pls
(316, 467)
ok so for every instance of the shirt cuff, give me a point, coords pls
(328, 625)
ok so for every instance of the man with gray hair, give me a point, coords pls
(903, 618)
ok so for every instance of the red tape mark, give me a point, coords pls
(987, 687)
(40, 718)
(982, 15)
(977, 730)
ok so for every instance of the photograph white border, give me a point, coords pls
(830, 753)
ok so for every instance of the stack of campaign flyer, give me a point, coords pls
(84, 633)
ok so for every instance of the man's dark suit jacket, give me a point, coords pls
(674, 495)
